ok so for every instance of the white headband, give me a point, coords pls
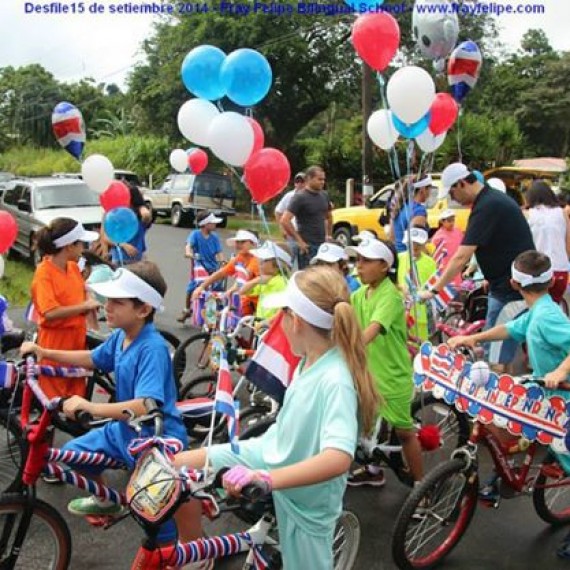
(299, 303)
(78, 233)
(525, 280)
(427, 181)
(210, 219)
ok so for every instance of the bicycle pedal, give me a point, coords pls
(100, 520)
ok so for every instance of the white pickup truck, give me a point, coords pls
(182, 196)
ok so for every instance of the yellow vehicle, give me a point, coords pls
(348, 222)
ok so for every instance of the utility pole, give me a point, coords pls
(367, 150)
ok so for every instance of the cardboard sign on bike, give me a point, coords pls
(524, 410)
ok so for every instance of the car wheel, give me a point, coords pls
(176, 215)
(343, 236)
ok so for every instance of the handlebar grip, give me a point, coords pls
(540, 382)
(254, 491)
(83, 418)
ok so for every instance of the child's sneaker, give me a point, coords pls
(184, 315)
(363, 477)
(93, 506)
(490, 492)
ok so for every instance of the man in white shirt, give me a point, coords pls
(299, 184)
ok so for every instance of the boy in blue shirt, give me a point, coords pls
(203, 246)
(138, 356)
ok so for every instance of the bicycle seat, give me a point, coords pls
(12, 340)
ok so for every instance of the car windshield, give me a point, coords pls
(65, 196)
(128, 177)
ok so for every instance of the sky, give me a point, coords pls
(106, 46)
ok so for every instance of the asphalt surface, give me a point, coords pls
(512, 537)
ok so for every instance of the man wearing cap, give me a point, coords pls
(299, 184)
(203, 247)
(312, 209)
(496, 231)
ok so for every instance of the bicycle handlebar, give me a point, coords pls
(540, 382)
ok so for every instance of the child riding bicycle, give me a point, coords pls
(139, 358)
(305, 456)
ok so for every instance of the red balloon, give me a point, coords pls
(266, 173)
(117, 195)
(258, 136)
(376, 38)
(197, 161)
(444, 111)
(8, 231)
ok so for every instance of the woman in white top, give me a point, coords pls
(551, 232)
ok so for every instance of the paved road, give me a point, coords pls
(511, 538)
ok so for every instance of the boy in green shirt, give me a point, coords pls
(274, 265)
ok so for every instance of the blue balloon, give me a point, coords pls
(413, 130)
(479, 176)
(121, 225)
(246, 76)
(363, 7)
(201, 72)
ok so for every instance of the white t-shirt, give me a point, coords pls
(548, 227)
(284, 205)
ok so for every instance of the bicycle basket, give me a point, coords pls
(154, 487)
(475, 308)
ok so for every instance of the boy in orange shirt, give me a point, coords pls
(243, 263)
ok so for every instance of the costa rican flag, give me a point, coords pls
(7, 375)
(260, 561)
(440, 253)
(69, 128)
(272, 366)
(196, 407)
(241, 276)
(199, 273)
(32, 315)
(445, 296)
(225, 403)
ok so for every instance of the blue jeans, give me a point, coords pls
(303, 259)
(504, 351)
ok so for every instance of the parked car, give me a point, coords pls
(181, 196)
(348, 222)
(34, 202)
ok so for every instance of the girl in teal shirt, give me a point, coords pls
(304, 458)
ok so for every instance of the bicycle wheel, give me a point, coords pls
(551, 495)
(46, 542)
(192, 357)
(452, 320)
(172, 341)
(346, 541)
(435, 516)
(255, 421)
(11, 452)
(452, 425)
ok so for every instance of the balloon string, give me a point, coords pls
(459, 153)
(261, 212)
(120, 255)
(392, 151)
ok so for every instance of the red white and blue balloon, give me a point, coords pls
(463, 69)
(69, 128)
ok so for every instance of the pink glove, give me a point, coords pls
(239, 477)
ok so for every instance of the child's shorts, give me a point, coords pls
(299, 549)
(397, 411)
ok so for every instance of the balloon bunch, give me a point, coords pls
(244, 76)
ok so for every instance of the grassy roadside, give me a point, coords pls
(15, 285)
(245, 221)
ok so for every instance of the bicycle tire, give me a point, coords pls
(34, 550)
(12, 452)
(542, 498)
(457, 504)
(452, 424)
(191, 358)
(346, 541)
(255, 421)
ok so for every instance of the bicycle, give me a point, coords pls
(439, 510)
(34, 535)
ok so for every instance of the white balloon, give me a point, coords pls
(194, 120)
(179, 160)
(1, 267)
(381, 130)
(98, 172)
(231, 138)
(428, 142)
(435, 27)
(410, 93)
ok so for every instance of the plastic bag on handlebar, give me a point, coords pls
(154, 487)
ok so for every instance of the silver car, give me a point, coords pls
(35, 202)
